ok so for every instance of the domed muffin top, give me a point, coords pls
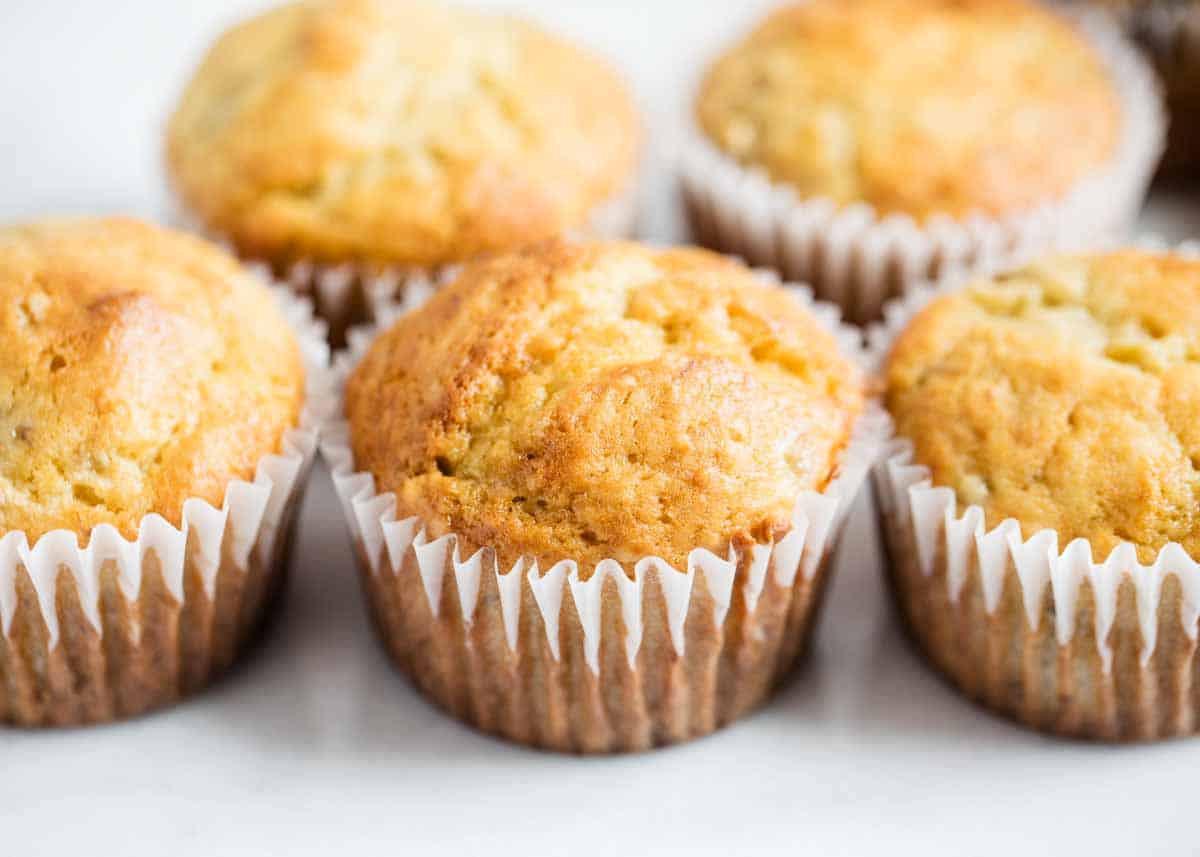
(918, 107)
(603, 400)
(140, 368)
(1065, 395)
(397, 132)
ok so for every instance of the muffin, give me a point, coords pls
(353, 144)
(151, 398)
(594, 489)
(1041, 502)
(1169, 30)
(866, 146)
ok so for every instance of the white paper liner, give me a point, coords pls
(858, 260)
(927, 519)
(349, 294)
(1170, 32)
(245, 529)
(1168, 29)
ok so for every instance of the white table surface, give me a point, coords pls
(316, 744)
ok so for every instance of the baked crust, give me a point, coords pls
(141, 367)
(397, 133)
(918, 107)
(1065, 396)
(603, 400)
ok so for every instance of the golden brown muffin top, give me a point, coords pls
(397, 132)
(919, 107)
(603, 400)
(140, 367)
(1064, 395)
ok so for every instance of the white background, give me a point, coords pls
(316, 744)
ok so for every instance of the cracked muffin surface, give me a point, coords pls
(140, 367)
(1065, 395)
(918, 107)
(601, 401)
(397, 132)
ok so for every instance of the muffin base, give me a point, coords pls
(613, 662)
(858, 260)
(120, 628)
(1101, 651)
(529, 695)
(148, 653)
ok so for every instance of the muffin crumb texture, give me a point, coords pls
(1065, 395)
(140, 368)
(603, 401)
(918, 107)
(398, 133)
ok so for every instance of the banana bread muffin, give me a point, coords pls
(600, 404)
(919, 107)
(142, 369)
(397, 134)
(925, 110)
(1064, 399)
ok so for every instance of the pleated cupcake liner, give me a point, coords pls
(1055, 638)
(1168, 29)
(1170, 33)
(119, 627)
(607, 662)
(351, 294)
(858, 259)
